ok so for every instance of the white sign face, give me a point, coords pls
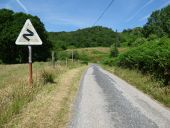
(28, 35)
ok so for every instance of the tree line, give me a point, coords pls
(89, 37)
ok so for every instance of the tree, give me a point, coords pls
(10, 26)
(158, 23)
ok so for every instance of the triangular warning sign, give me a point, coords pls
(28, 35)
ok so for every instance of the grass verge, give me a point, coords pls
(16, 97)
(143, 82)
(50, 107)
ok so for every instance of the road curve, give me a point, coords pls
(106, 101)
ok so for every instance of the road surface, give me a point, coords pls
(106, 101)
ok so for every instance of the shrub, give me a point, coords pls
(152, 57)
(47, 77)
(109, 61)
(83, 56)
(84, 62)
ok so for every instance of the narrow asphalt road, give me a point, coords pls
(106, 101)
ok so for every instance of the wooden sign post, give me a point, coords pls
(28, 36)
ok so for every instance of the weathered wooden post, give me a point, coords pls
(28, 36)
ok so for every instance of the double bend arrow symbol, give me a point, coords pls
(30, 33)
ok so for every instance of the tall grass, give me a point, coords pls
(15, 100)
(13, 97)
(16, 94)
(46, 77)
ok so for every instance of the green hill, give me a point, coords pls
(89, 37)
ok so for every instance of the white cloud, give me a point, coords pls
(137, 12)
(22, 6)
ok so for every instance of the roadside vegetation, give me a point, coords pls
(146, 61)
(145, 83)
(152, 57)
(16, 96)
(149, 48)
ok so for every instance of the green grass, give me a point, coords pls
(144, 83)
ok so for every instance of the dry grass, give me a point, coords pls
(22, 106)
(50, 108)
(122, 50)
(14, 91)
(145, 83)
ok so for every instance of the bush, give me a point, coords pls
(47, 77)
(84, 62)
(152, 57)
(109, 61)
(83, 56)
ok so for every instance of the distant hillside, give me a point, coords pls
(89, 37)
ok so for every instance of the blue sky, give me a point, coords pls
(70, 15)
